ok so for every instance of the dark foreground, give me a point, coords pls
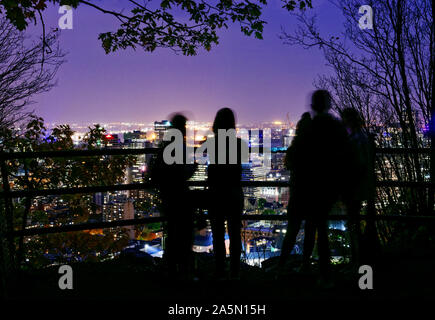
(402, 277)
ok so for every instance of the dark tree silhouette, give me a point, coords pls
(182, 25)
(22, 71)
(387, 75)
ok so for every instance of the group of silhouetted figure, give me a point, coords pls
(328, 161)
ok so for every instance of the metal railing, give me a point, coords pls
(7, 194)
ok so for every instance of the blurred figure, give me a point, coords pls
(329, 151)
(177, 206)
(316, 160)
(296, 162)
(359, 185)
(226, 193)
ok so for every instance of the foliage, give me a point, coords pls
(58, 172)
(147, 232)
(69, 247)
(261, 202)
(269, 211)
(61, 171)
(182, 25)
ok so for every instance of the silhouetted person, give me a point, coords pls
(177, 206)
(318, 171)
(359, 182)
(226, 193)
(329, 154)
(299, 185)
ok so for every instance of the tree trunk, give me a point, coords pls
(432, 123)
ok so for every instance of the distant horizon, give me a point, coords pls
(151, 123)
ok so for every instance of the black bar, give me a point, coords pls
(76, 190)
(339, 217)
(254, 217)
(140, 151)
(76, 153)
(129, 151)
(86, 226)
(91, 152)
(131, 186)
(139, 186)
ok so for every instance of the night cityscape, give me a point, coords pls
(326, 106)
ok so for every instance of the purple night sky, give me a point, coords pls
(261, 80)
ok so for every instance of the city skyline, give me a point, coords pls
(171, 161)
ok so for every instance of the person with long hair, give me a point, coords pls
(226, 193)
(299, 186)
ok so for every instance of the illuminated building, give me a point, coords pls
(135, 139)
(112, 141)
(160, 128)
(128, 214)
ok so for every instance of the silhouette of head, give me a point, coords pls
(321, 101)
(304, 123)
(352, 119)
(178, 121)
(224, 119)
